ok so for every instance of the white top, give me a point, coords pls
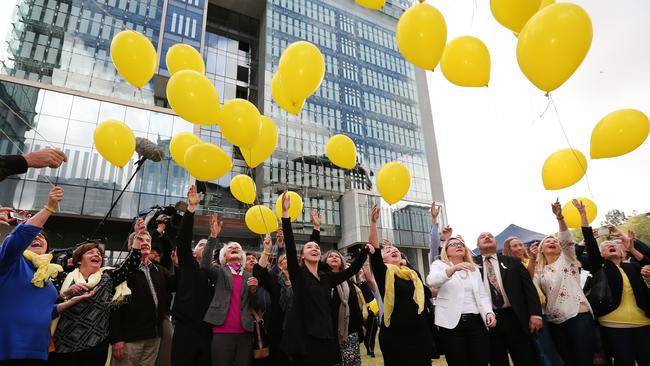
(454, 298)
(560, 282)
(469, 304)
(497, 271)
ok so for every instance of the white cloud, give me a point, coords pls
(492, 142)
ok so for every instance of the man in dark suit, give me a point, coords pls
(515, 302)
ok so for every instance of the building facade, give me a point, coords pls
(56, 74)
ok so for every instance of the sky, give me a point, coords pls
(492, 142)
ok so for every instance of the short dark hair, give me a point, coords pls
(253, 254)
(83, 249)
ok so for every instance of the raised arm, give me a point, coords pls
(18, 164)
(184, 237)
(353, 269)
(211, 245)
(434, 237)
(595, 259)
(290, 243)
(629, 242)
(264, 258)
(376, 261)
(315, 220)
(22, 236)
(129, 265)
(556, 207)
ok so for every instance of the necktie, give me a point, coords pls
(495, 290)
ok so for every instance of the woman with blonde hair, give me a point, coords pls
(463, 306)
(571, 324)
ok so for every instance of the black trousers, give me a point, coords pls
(508, 337)
(371, 326)
(575, 339)
(93, 356)
(190, 347)
(468, 344)
(229, 349)
(626, 345)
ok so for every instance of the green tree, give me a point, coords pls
(614, 217)
(641, 226)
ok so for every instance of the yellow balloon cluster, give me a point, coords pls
(243, 188)
(563, 168)
(393, 181)
(184, 57)
(341, 151)
(296, 205)
(134, 57)
(572, 216)
(553, 44)
(115, 142)
(421, 35)
(180, 143)
(265, 145)
(466, 62)
(193, 97)
(261, 220)
(513, 14)
(207, 162)
(619, 133)
(240, 122)
(300, 72)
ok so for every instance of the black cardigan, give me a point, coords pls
(12, 164)
(310, 315)
(195, 290)
(614, 278)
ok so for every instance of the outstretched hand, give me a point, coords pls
(580, 206)
(315, 219)
(375, 213)
(215, 225)
(435, 211)
(286, 204)
(556, 207)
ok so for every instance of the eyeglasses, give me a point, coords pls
(455, 245)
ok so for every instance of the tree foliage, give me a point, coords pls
(614, 217)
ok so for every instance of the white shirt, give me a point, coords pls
(497, 272)
(469, 302)
(560, 282)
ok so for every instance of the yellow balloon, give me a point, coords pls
(393, 181)
(372, 4)
(282, 99)
(240, 122)
(193, 97)
(421, 35)
(115, 142)
(572, 216)
(207, 162)
(184, 57)
(513, 14)
(466, 62)
(265, 145)
(546, 3)
(134, 57)
(296, 205)
(243, 188)
(261, 220)
(179, 145)
(341, 151)
(553, 44)
(373, 306)
(619, 133)
(303, 68)
(563, 168)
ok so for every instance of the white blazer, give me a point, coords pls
(449, 302)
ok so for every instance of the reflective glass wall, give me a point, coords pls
(67, 122)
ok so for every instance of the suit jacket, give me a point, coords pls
(519, 289)
(221, 275)
(449, 302)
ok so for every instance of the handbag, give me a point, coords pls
(598, 293)
(260, 347)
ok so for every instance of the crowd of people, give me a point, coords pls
(215, 304)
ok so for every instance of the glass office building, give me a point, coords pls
(56, 73)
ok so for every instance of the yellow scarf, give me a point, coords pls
(362, 302)
(404, 273)
(44, 269)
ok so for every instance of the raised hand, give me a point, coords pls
(140, 228)
(371, 250)
(279, 238)
(387, 243)
(54, 198)
(375, 213)
(533, 251)
(315, 219)
(193, 198)
(556, 207)
(435, 211)
(446, 233)
(4, 215)
(47, 157)
(631, 236)
(286, 204)
(268, 244)
(580, 206)
(215, 225)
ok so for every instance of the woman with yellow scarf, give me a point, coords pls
(27, 296)
(404, 337)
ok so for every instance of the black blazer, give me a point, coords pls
(614, 278)
(519, 288)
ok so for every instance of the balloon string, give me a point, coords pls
(22, 152)
(566, 137)
(549, 100)
(22, 119)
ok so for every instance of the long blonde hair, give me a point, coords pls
(508, 251)
(541, 259)
(466, 258)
